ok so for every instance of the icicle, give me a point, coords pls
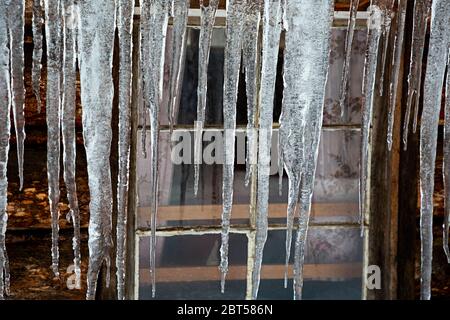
(354, 4)
(156, 13)
(54, 65)
(370, 69)
(280, 169)
(237, 12)
(5, 127)
(17, 26)
(305, 78)
(396, 63)
(38, 21)
(434, 78)
(124, 25)
(180, 10)
(272, 19)
(96, 41)
(207, 20)
(250, 60)
(446, 165)
(387, 7)
(68, 128)
(421, 12)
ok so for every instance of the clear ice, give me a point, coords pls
(180, 9)
(53, 25)
(5, 127)
(396, 64)
(125, 11)
(16, 25)
(305, 77)
(154, 23)
(207, 20)
(240, 15)
(38, 22)
(250, 59)
(432, 96)
(420, 24)
(354, 4)
(272, 24)
(446, 166)
(68, 110)
(96, 41)
(370, 69)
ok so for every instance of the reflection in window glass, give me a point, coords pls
(187, 265)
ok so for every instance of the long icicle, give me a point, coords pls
(306, 70)
(125, 26)
(354, 4)
(396, 64)
(180, 10)
(387, 7)
(96, 42)
(370, 69)
(235, 26)
(5, 127)
(207, 20)
(290, 140)
(250, 60)
(54, 65)
(38, 21)
(432, 94)
(68, 128)
(421, 12)
(16, 34)
(446, 165)
(152, 64)
(272, 20)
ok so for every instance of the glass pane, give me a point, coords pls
(333, 265)
(187, 267)
(335, 197)
(187, 110)
(332, 111)
(178, 206)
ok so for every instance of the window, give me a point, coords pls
(189, 227)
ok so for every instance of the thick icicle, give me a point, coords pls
(434, 79)
(421, 12)
(236, 14)
(180, 9)
(250, 60)
(125, 26)
(272, 20)
(5, 127)
(38, 22)
(156, 13)
(207, 20)
(396, 63)
(370, 69)
(96, 41)
(54, 66)
(16, 34)
(68, 106)
(446, 165)
(305, 78)
(354, 4)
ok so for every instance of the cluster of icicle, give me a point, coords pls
(438, 60)
(305, 74)
(12, 96)
(76, 32)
